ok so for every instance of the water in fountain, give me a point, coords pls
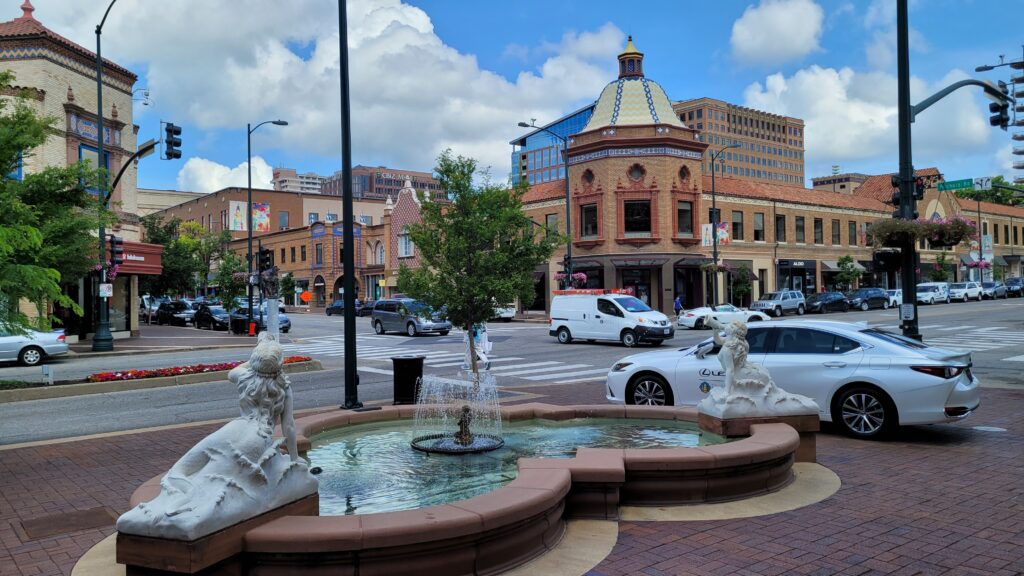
(457, 416)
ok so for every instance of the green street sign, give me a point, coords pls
(966, 184)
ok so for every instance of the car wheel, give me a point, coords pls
(885, 305)
(649, 390)
(564, 337)
(443, 332)
(503, 319)
(698, 324)
(328, 311)
(286, 330)
(754, 319)
(31, 356)
(965, 298)
(777, 311)
(864, 412)
(864, 306)
(628, 338)
(800, 310)
(947, 299)
(378, 327)
(410, 329)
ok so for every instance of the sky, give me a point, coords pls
(427, 75)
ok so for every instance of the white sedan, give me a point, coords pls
(697, 318)
(866, 380)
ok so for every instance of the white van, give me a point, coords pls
(609, 316)
(932, 292)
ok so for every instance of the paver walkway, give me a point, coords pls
(943, 499)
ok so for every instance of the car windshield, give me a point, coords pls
(893, 338)
(630, 304)
(217, 310)
(988, 284)
(891, 292)
(927, 288)
(958, 286)
(771, 296)
(417, 308)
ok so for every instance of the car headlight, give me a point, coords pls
(642, 320)
(621, 366)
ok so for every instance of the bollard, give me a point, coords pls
(252, 328)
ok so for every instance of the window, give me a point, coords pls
(714, 215)
(637, 217)
(1015, 237)
(303, 252)
(737, 225)
(293, 254)
(1006, 233)
(759, 226)
(780, 228)
(405, 245)
(550, 223)
(331, 217)
(366, 220)
(314, 217)
(803, 341)
(91, 156)
(800, 229)
(819, 232)
(282, 256)
(636, 173)
(282, 220)
(380, 253)
(852, 233)
(684, 218)
(606, 307)
(318, 259)
(837, 236)
(588, 221)
(995, 232)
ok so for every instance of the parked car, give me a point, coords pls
(240, 317)
(696, 319)
(366, 309)
(778, 303)
(505, 313)
(965, 291)
(31, 348)
(932, 292)
(175, 313)
(212, 317)
(407, 315)
(993, 290)
(243, 302)
(338, 307)
(611, 316)
(865, 380)
(1014, 287)
(148, 305)
(866, 298)
(828, 302)
(895, 297)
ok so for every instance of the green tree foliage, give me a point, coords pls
(179, 266)
(848, 272)
(478, 251)
(998, 194)
(231, 278)
(740, 283)
(47, 220)
(206, 247)
(288, 288)
(940, 270)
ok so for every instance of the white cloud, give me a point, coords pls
(880, 48)
(1003, 162)
(776, 31)
(202, 175)
(851, 117)
(217, 66)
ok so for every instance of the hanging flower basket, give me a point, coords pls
(948, 233)
(578, 280)
(980, 264)
(940, 232)
(711, 267)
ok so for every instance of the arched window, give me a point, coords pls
(379, 253)
(405, 245)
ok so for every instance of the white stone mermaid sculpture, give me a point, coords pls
(749, 391)
(237, 472)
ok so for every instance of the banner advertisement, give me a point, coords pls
(724, 234)
(705, 235)
(260, 217)
(236, 216)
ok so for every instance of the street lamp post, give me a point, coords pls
(714, 224)
(567, 270)
(102, 339)
(248, 226)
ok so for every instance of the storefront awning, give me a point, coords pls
(695, 260)
(1000, 261)
(1012, 257)
(738, 265)
(142, 258)
(584, 264)
(638, 262)
(967, 259)
(833, 266)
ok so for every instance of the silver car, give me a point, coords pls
(406, 315)
(778, 303)
(32, 348)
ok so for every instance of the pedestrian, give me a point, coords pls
(678, 305)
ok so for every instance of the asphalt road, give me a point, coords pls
(526, 359)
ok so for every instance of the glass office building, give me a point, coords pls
(537, 156)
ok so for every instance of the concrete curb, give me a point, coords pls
(73, 354)
(65, 390)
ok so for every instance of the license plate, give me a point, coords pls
(666, 330)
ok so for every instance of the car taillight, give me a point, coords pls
(60, 338)
(690, 314)
(939, 371)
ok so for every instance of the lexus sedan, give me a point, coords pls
(866, 298)
(175, 313)
(31, 348)
(828, 302)
(865, 380)
(725, 313)
(212, 317)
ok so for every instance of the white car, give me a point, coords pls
(895, 297)
(965, 291)
(696, 319)
(505, 314)
(866, 380)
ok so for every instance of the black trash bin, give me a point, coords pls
(239, 325)
(407, 373)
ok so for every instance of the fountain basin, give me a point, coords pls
(492, 532)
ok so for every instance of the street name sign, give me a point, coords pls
(966, 184)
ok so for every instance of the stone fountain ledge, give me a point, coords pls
(511, 525)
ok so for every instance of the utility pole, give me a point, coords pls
(908, 270)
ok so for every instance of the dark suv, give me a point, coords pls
(175, 313)
(865, 298)
(1014, 287)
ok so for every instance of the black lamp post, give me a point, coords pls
(248, 163)
(714, 224)
(102, 340)
(568, 211)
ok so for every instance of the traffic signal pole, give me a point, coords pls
(908, 270)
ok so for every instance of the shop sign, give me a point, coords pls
(106, 290)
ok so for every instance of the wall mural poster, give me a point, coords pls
(260, 217)
(236, 216)
(724, 235)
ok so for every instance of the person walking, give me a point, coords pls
(678, 305)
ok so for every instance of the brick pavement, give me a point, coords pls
(938, 500)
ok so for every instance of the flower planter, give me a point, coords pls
(940, 233)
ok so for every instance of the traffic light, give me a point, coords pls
(266, 259)
(116, 251)
(172, 142)
(1000, 110)
(896, 197)
(919, 188)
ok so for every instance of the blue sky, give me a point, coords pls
(431, 74)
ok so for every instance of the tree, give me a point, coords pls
(848, 272)
(940, 270)
(206, 246)
(740, 282)
(1002, 192)
(231, 278)
(288, 288)
(46, 220)
(477, 251)
(179, 266)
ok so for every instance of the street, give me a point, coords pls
(525, 360)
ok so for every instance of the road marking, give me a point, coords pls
(952, 328)
(548, 363)
(579, 373)
(375, 370)
(987, 329)
(575, 380)
(1014, 359)
(546, 369)
(493, 360)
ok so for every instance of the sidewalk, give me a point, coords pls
(154, 338)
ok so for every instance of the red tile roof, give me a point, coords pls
(545, 191)
(880, 187)
(787, 193)
(25, 26)
(969, 208)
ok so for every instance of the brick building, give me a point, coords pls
(378, 183)
(288, 180)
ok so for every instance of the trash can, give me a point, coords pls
(407, 373)
(239, 325)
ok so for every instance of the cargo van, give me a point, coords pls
(607, 315)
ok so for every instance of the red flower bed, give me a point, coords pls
(176, 371)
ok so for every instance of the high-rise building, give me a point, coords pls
(537, 156)
(288, 180)
(771, 146)
(377, 183)
(845, 183)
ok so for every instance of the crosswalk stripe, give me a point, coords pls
(951, 328)
(493, 360)
(548, 363)
(987, 329)
(588, 379)
(1014, 359)
(579, 373)
(545, 369)
(375, 370)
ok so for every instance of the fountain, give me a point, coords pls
(457, 416)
